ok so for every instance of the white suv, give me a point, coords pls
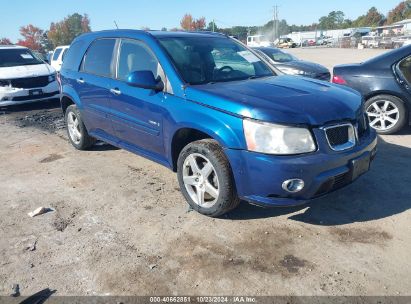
(58, 55)
(24, 77)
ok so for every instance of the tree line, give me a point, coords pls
(59, 33)
(64, 31)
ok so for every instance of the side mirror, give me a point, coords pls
(145, 80)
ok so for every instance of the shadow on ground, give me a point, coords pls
(382, 192)
(33, 106)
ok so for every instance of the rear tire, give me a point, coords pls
(76, 130)
(206, 179)
(387, 114)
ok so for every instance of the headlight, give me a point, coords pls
(52, 77)
(277, 139)
(290, 71)
(293, 71)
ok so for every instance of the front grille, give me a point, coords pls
(340, 137)
(30, 83)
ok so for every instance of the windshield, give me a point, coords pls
(279, 56)
(17, 57)
(214, 59)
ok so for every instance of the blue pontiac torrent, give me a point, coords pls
(212, 110)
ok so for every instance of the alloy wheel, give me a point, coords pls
(201, 180)
(383, 115)
(73, 126)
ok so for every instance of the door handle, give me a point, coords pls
(115, 91)
(80, 80)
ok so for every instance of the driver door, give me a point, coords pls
(136, 113)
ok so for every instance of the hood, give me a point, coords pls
(306, 66)
(281, 99)
(25, 71)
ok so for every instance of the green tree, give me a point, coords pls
(372, 18)
(212, 26)
(63, 32)
(334, 20)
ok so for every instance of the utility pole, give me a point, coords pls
(213, 25)
(275, 22)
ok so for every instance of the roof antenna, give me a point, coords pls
(115, 24)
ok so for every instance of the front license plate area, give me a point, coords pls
(360, 166)
(35, 92)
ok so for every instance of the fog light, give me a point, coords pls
(293, 185)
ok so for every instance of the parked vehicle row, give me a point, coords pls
(216, 113)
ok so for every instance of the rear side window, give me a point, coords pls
(72, 56)
(56, 54)
(64, 54)
(99, 57)
(405, 68)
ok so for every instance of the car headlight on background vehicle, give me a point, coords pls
(277, 139)
(292, 71)
(52, 77)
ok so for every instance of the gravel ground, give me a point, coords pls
(122, 227)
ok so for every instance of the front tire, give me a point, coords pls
(205, 178)
(387, 114)
(76, 130)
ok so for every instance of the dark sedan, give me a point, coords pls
(291, 65)
(385, 83)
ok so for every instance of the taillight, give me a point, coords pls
(339, 80)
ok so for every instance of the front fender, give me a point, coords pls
(226, 129)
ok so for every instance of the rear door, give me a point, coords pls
(137, 113)
(93, 86)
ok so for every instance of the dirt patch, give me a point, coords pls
(265, 253)
(60, 223)
(47, 120)
(292, 263)
(51, 158)
(361, 235)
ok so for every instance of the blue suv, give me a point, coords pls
(212, 110)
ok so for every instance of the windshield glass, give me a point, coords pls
(279, 56)
(17, 57)
(215, 59)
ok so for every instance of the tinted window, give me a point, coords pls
(64, 54)
(405, 68)
(56, 55)
(278, 56)
(213, 59)
(73, 55)
(17, 57)
(98, 59)
(136, 56)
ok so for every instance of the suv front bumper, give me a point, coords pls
(14, 96)
(259, 177)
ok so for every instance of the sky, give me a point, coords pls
(156, 14)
